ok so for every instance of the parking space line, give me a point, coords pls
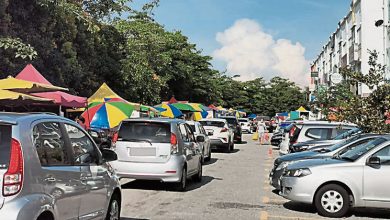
(271, 217)
(267, 200)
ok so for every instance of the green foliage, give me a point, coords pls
(21, 50)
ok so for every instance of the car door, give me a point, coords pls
(59, 178)
(376, 181)
(187, 147)
(206, 143)
(93, 175)
(195, 149)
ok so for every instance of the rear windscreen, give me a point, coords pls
(5, 145)
(153, 132)
(231, 121)
(243, 120)
(213, 123)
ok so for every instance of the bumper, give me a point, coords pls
(219, 143)
(275, 178)
(166, 172)
(299, 189)
(246, 129)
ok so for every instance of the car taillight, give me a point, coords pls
(13, 178)
(174, 148)
(115, 137)
(224, 130)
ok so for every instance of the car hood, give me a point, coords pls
(314, 163)
(318, 142)
(297, 156)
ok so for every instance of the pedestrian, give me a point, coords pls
(261, 130)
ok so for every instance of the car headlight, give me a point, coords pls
(298, 172)
(283, 165)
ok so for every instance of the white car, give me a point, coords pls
(245, 125)
(221, 136)
(200, 131)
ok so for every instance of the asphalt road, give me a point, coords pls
(234, 186)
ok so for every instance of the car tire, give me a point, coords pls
(228, 147)
(182, 185)
(332, 201)
(232, 147)
(114, 209)
(198, 177)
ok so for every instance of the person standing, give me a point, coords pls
(261, 130)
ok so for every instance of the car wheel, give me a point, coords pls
(332, 201)
(114, 210)
(182, 185)
(198, 176)
(228, 147)
(232, 147)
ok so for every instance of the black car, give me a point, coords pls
(235, 125)
(276, 138)
(282, 162)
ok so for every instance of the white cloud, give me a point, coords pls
(251, 52)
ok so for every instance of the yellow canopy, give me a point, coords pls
(24, 86)
(301, 109)
(105, 92)
(221, 108)
(10, 98)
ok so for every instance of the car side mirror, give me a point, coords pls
(374, 161)
(200, 138)
(109, 155)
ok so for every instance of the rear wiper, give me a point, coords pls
(135, 140)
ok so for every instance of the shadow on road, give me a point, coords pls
(212, 161)
(125, 218)
(242, 143)
(156, 185)
(223, 151)
(358, 212)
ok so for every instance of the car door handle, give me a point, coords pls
(50, 179)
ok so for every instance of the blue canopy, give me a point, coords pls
(252, 115)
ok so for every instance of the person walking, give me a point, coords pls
(261, 131)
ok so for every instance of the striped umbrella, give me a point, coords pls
(200, 112)
(170, 111)
(108, 114)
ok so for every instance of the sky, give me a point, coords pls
(256, 38)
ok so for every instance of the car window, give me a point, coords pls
(83, 149)
(384, 155)
(318, 133)
(193, 128)
(202, 131)
(183, 132)
(357, 144)
(361, 150)
(231, 121)
(191, 135)
(5, 145)
(219, 124)
(347, 134)
(153, 132)
(338, 131)
(49, 143)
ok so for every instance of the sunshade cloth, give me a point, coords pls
(185, 107)
(25, 86)
(200, 114)
(9, 98)
(105, 92)
(170, 112)
(252, 116)
(301, 109)
(108, 114)
(31, 74)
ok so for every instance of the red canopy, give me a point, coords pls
(64, 99)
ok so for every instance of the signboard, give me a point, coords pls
(314, 74)
(336, 78)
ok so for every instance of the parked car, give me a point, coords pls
(235, 126)
(282, 162)
(245, 125)
(221, 136)
(357, 178)
(158, 149)
(276, 138)
(205, 146)
(318, 144)
(51, 168)
(302, 131)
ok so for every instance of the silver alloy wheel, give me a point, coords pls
(114, 210)
(332, 201)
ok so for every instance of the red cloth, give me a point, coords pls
(61, 98)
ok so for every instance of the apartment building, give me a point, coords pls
(355, 34)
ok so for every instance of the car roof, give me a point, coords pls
(15, 118)
(192, 122)
(214, 119)
(323, 123)
(227, 117)
(163, 120)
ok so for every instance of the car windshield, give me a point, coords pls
(193, 128)
(347, 134)
(243, 120)
(5, 145)
(342, 143)
(219, 124)
(153, 132)
(359, 151)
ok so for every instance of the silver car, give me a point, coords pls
(50, 168)
(358, 178)
(158, 149)
(205, 146)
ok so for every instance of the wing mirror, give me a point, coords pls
(374, 161)
(200, 138)
(109, 155)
